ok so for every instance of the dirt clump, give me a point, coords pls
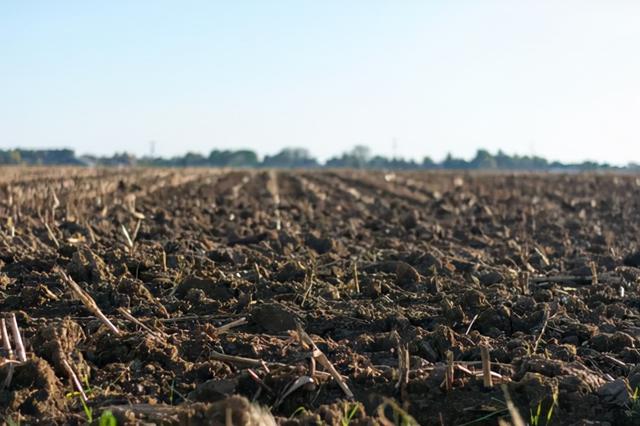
(86, 266)
(35, 390)
(273, 318)
(61, 341)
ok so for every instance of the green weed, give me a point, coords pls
(535, 418)
(108, 419)
(349, 414)
(11, 422)
(633, 407)
(400, 416)
(88, 411)
(298, 411)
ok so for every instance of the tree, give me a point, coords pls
(290, 158)
(484, 160)
(454, 163)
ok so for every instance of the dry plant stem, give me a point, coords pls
(52, 237)
(17, 338)
(403, 364)
(307, 292)
(164, 261)
(355, 277)
(74, 379)
(615, 361)
(217, 356)
(157, 334)
(324, 361)
(465, 370)
(594, 272)
(312, 367)
(12, 229)
(258, 380)
(516, 418)
(475, 317)
(544, 328)
(450, 372)
(136, 230)
(126, 236)
(50, 293)
(272, 186)
(191, 318)
(88, 302)
(92, 235)
(232, 324)
(6, 344)
(55, 203)
(486, 367)
(9, 352)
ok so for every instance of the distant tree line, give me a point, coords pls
(359, 157)
(35, 157)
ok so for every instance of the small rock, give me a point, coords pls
(494, 318)
(616, 342)
(632, 259)
(406, 274)
(474, 299)
(464, 266)
(291, 271)
(213, 289)
(491, 278)
(616, 392)
(88, 267)
(213, 390)
(411, 219)
(319, 244)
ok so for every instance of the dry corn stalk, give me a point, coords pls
(136, 230)
(158, 334)
(403, 367)
(486, 367)
(74, 379)
(130, 205)
(217, 356)
(52, 236)
(237, 323)
(8, 353)
(55, 203)
(450, 371)
(88, 302)
(322, 359)
(6, 344)
(127, 237)
(17, 338)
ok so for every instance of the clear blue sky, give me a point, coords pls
(556, 78)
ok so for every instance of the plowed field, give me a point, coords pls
(324, 297)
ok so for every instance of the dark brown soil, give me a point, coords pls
(542, 269)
